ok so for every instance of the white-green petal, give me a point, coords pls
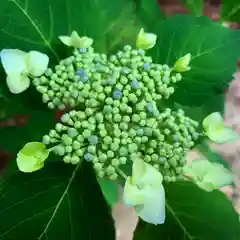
(17, 82)
(75, 40)
(146, 40)
(208, 176)
(28, 164)
(36, 63)
(206, 186)
(13, 60)
(144, 174)
(201, 167)
(216, 130)
(86, 42)
(213, 120)
(132, 196)
(224, 135)
(153, 210)
(66, 40)
(32, 157)
(218, 176)
(138, 170)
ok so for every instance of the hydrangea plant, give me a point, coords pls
(122, 123)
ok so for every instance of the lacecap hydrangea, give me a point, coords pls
(116, 116)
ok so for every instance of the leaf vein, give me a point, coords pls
(27, 182)
(20, 38)
(26, 199)
(25, 220)
(60, 202)
(70, 217)
(51, 20)
(179, 222)
(33, 23)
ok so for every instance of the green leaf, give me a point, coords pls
(215, 51)
(109, 190)
(58, 202)
(149, 12)
(198, 113)
(13, 138)
(193, 214)
(230, 10)
(23, 25)
(36, 25)
(196, 7)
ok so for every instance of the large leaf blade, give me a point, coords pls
(193, 214)
(214, 50)
(54, 203)
(13, 138)
(196, 7)
(36, 25)
(230, 10)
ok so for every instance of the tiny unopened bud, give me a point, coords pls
(113, 176)
(182, 64)
(67, 159)
(66, 139)
(75, 159)
(72, 132)
(145, 40)
(46, 139)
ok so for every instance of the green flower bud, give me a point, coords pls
(59, 150)
(53, 133)
(92, 149)
(113, 177)
(86, 133)
(75, 160)
(117, 118)
(100, 174)
(114, 146)
(67, 159)
(72, 132)
(107, 140)
(110, 170)
(97, 167)
(123, 151)
(144, 139)
(66, 139)
(150, 150)
(68, 149)
(76, 145)
(147, 158)
(132, 98)
(103, 133)
(110, 154)
(79, 152)
(123, 126)
(46, 139)
(137, 140)
(132, 148)
(115, 162)
(42, 89)
(45, 98)
(102, 157)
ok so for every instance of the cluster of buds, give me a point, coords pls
(116, 117)
(109, 141)
(89, 79)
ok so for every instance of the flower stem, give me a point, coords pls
(123, 175)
